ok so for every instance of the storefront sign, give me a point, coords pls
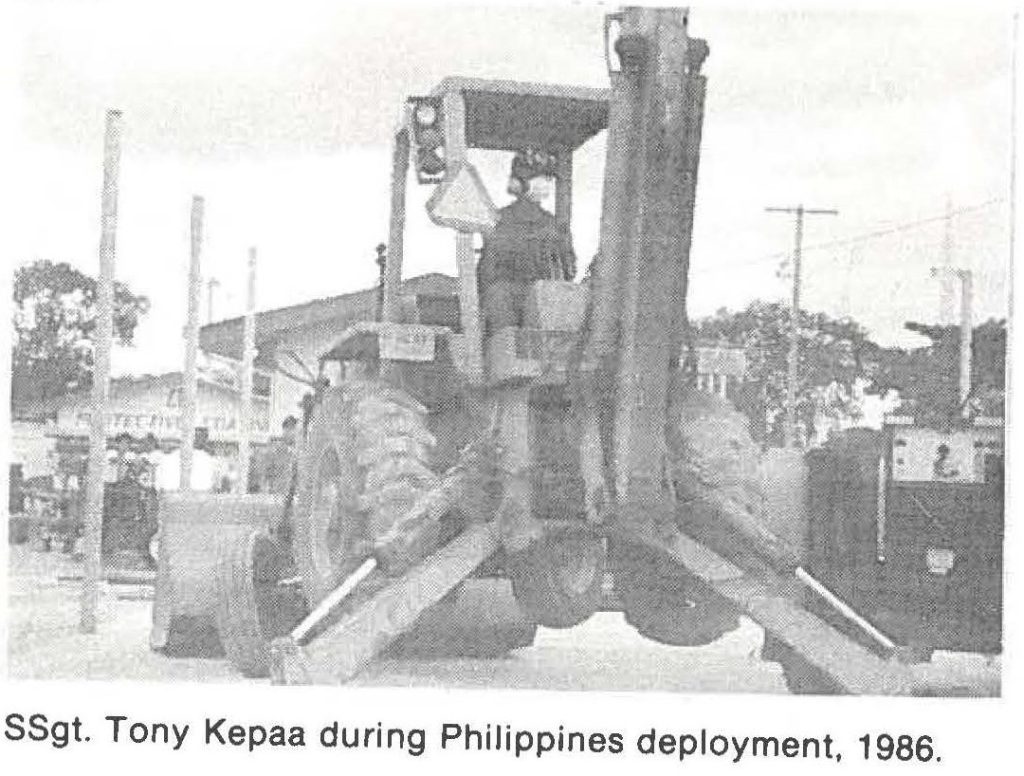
(150, 412)
(161, 425)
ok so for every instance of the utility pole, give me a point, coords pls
(946, 278)
(846, 300)
(966, 335)
(382, 268)
(966, 327)
(248, 356)
(794, 313)
(189, 378)
(211, 284)
(93, 538)
(1013, 162)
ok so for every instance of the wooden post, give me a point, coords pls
(382, 267)
(793, 357)
(563, 189)
(211, 284)
(946, 280)
(392, 282)
(966, 333)
(189, 385)
(248, 356)
(793, 360)
(101, 375)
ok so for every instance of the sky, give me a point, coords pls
(280, 114)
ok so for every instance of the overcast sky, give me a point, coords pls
(279, 114)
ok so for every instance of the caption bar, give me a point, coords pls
(37, 728)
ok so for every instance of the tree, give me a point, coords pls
(836, 356)
(54, 325)
(928, 377)
(833, 354)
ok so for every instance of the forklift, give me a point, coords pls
(429, 440)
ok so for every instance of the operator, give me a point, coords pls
(528, 243)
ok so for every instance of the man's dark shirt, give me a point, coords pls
(527, 244)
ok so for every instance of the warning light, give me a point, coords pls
(427, 121)
(426, 114)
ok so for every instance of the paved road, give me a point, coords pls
(602, 654)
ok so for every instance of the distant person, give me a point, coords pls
(226, 476)
(942, 468)
(120, 460)
(279, 459)
(149, 461)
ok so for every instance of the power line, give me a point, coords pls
(852, 239)
(902, 227)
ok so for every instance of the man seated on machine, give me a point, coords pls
(528, 243)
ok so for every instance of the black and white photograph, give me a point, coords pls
(574, 347)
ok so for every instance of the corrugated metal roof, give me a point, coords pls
(224, 338)
(46, 408)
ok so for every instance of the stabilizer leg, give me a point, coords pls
(770, 601)
(348, 645)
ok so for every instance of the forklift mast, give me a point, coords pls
(639, 323)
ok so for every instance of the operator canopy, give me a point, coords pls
(536, 121)
(515, 115)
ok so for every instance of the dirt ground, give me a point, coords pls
(602, 654)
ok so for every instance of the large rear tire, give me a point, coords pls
(364, 462)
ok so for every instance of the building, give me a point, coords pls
(50, 439)
(719, 368)
(304, 332)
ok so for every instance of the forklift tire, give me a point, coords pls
(364, 462)
(557, 580)
(666, 604)
(800, 676)
(710, 453)
(480, 619)
(252, 608)
(425, 643)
